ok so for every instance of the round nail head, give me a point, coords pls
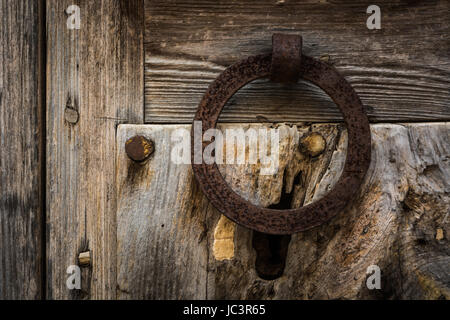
(139, 148)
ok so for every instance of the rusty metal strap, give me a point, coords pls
(286, 57)
(289, 221)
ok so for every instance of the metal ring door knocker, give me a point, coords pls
(285, 64)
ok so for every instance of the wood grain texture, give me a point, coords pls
(171, 244)
(401, 72)
(386, 225)
(20, 151)
(96, 71)
(160, 234)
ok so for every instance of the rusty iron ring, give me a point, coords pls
(289, 221)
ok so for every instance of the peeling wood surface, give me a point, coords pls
(168, 232)
(401, 72)
(223, 244)
(20, 151)
(96, 71)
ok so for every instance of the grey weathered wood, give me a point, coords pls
(20, 151)
(392, 223)
(401, 72)
(157, 227)
(172, 245)
(98, 72)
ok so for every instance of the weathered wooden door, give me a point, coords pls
(141, 67)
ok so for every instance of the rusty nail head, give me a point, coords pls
(139, 148)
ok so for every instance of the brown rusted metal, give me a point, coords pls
(139, 148)
(275, 221)
(286, 57)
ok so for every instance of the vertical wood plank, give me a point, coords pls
(20, 151)
(95, 82)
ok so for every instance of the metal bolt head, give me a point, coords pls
(313, 144)
(139, 148)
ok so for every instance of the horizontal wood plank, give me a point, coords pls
(173, 244)
(401, 72)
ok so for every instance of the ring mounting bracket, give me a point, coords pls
(286, 58)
